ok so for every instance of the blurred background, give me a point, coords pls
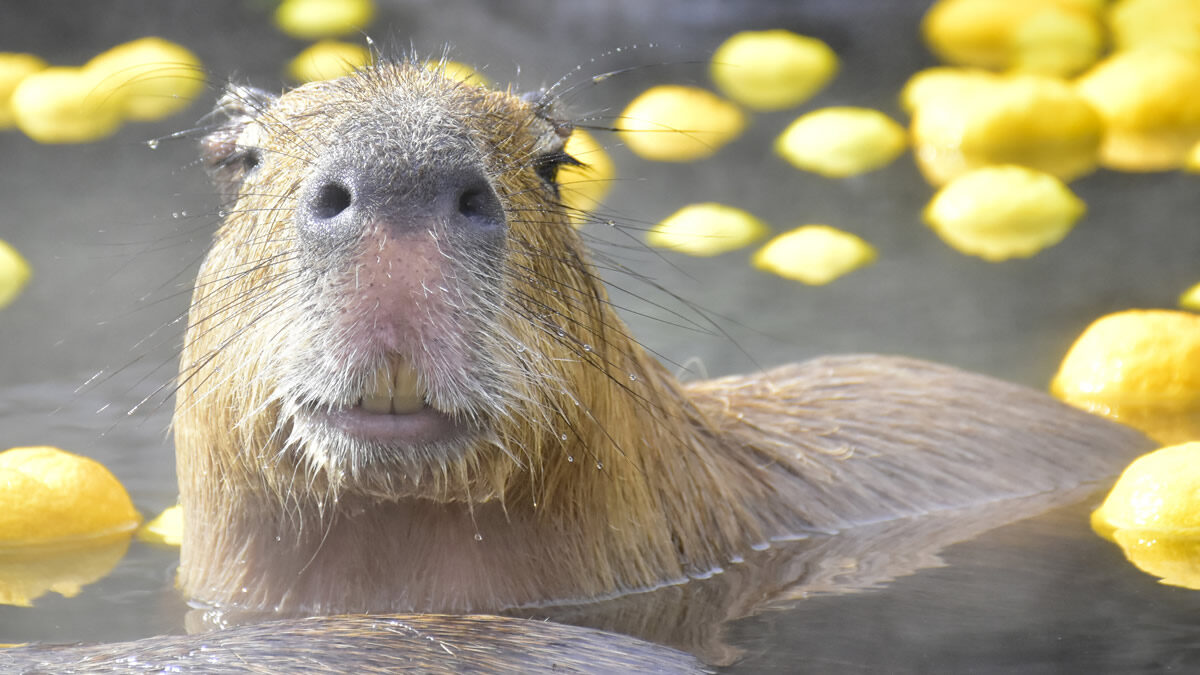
(114, 230)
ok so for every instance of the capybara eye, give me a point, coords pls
(251, 159)
(331, 200)
(547, 166)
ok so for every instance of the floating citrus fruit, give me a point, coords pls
(1055, 38)
(1003, 212)
(1031, 120)
(328, 60)
(673, 123)
(1141, 367)
(1153, 514)
(151, 78)
(1159, 493)
(1151, 112)
(314, 19)
(772, 69)
(814, 254)
(841, 142)
(706, 230)
(52, 498)
(63, 105)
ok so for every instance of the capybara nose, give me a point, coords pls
(335, 207)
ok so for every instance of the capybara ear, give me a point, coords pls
(224, 153)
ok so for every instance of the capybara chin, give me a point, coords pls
(404, 388)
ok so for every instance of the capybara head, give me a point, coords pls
(395, 304)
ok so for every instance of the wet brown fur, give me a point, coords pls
(366, 644)
(601, 474)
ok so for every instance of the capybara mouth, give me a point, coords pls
(393, 410)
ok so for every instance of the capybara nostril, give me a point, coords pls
(330, 201)
(331, 210)
(478, 204)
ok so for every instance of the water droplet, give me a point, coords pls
(561, 333)
(175, 214)
(570, 458)
(587, 348)
(152, 143)
(222, 213)
(600, 466)
(632, 377)
(183, 214)
(478, 537)
(563, 437)
(520, 348)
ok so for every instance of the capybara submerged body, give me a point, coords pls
(403, 386)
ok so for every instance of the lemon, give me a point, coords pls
(459, 72)
(328, 60)
(14, 273)
(1157, 24)
(1141, 367)
(1003, 212)
(49, 497)
(707, 229)
(1136, 356)
(841, 142)
(674, 123)
(1151, 112)
(26, 575)
(151, 77)
(1189, 300)
(314, 19)
(772, 69)
(14, 68)
(583, 187)
(941, 82)
(166, 528)
(1032, 120)
(814, 254)
(1054, 38)
(1153, 514)
(63, 105)
(1159, 493)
